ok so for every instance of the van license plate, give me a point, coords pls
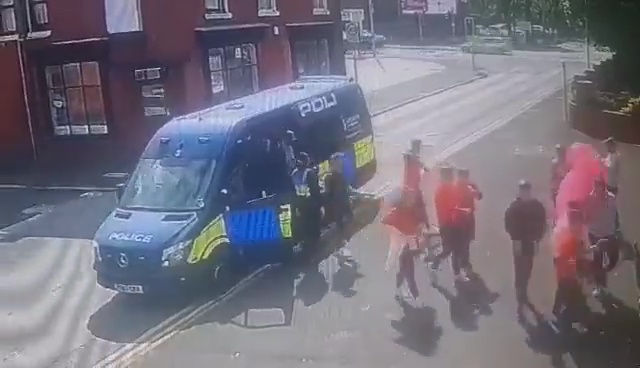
(129, 289)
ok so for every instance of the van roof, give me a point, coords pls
(228, 114)
(219, 119)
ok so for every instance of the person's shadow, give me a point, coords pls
(470, 299)
(418, 328)
(344, 279)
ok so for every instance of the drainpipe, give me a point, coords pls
(25, 96)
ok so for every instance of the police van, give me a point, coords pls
(211, 196)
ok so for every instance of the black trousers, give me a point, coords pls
(454, 244)
(569, 298)
(522, 264)
(406, 270)
(597, 266)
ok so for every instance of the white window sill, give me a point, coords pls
(30, 36)
(210, 16)
(268, 13)
(321, 11)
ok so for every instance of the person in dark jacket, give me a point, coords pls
(525, 222)
(337, 199)
(305, 181)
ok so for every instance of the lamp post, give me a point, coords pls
(372, 29)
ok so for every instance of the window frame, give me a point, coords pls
(321, 7)
(316, 42)
(226, 70)
(103, 129)
(12, 10)
(145, 80)
(270, 11)
(220, 12)
(33, 24)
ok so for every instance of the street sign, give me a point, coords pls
(353, 34)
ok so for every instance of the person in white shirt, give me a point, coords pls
(602, 212)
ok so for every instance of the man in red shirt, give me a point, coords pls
(447, 202)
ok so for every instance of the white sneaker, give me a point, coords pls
(462, 278)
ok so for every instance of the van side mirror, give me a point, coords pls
(120, 190)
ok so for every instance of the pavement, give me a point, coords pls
(344, 315)
(54, 314)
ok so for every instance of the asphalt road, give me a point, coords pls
(54, 315)
(345, 314)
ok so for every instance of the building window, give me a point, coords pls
(154, 102)
(233, 72)
(75, 99)
(217, 9)
(267, 8)
(312, 57)
(7, 17)
(320, 7)
(38, 15)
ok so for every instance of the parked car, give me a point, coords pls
(488, 45)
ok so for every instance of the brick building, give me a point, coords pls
(101, 76)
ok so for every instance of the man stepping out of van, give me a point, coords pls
(337, 201)
(305, 181)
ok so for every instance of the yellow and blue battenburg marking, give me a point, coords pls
(214, 235)
(362, 153)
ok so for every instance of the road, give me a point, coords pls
(55, 315)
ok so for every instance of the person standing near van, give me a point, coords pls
(612, 162)
(337, 199)
(305, 182)
(289, 152)
(525, 222)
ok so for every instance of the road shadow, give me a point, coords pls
(265, 301)
(418, 329)
(126, 318)
(468, 301)
(606, 340)
(77, 218)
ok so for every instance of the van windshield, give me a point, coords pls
(168, 184)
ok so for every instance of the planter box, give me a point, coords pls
(601, 124)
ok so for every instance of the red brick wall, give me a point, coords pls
(76, 19)
(14, 131)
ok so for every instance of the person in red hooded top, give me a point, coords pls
(407, 217)
(452, 227)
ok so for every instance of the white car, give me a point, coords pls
(488, 45)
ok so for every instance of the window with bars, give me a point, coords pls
(311, 57)
(8, 22)
(233, 72)
(75, 99)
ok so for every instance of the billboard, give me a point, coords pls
(413, 6)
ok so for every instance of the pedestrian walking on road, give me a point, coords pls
(469, 194)
(601, 218)
(559, 168)
(569, 245)
(452, 230)
(525, 222)
(406, 219)
(337, 197)
(613, 164)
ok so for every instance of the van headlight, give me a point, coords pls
(176, 254)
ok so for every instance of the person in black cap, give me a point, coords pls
(525, 222)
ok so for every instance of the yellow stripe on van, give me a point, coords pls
(364, 150)
(323, 170)
(211, 237)
(285, 221)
